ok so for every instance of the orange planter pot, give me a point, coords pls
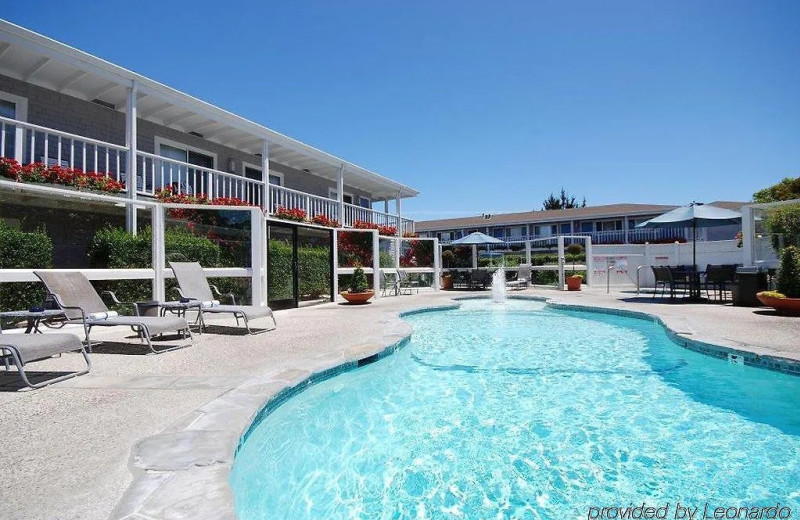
(785, 306)
(447, 282)
(574, 283)
(357, 298)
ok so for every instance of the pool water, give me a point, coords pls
(519, 411)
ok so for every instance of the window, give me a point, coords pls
(364, 202)
(609, 225)
(347, 197)
(587, 227)
(251, 172)
(566, 229)
(13, 107)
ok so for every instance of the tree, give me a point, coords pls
(787, 189)
(564, 201)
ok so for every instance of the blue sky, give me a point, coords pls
(486, 106)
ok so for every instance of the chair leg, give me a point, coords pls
(15, 356)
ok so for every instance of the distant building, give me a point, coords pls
(607, 224)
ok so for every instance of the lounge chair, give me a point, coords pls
(73, 293)
(523, 278)
(193, 284)
(391, 285)
(24, 348)
(405, 282)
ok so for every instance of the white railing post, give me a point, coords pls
(398, 207)
(257, 263)
(560, 262)
(130, 143)
(335, 270)
(376, 263)
(159, 253)
(589, 263)
(747, 235)
(437, 264)
(266, 197)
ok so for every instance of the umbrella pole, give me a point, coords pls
(694, 244)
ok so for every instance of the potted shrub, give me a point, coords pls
(574, 281)
(786, 300)
(359, 291)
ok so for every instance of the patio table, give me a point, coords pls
(33, 318)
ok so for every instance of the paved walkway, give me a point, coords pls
(65, 448)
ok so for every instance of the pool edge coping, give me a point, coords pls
(185, 469)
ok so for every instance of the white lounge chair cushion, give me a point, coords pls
(250, 311)
(209, 304)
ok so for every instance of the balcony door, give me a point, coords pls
(299, 265)
(182, 178)
(13, 107)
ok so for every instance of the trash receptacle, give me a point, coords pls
(148, 308)
(747, 282)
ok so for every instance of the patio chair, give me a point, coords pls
(391, 285)
(479, 279)
(73, 293)
(194, 285)
(21, 349)
(405, 282)
(718, 278)
(523, 278)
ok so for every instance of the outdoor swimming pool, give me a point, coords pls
(518, 411)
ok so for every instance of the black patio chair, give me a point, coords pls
(479, 279)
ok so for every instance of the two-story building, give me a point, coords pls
(607, 224)
(60, 105)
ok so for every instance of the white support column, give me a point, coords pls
(264, 271)
(474, 257)
(437, 264)
(340, 194)
(589, 263)
(747, 236)
(256, 261)
(265, 177)
(159, 256)
(399, 205)
(528, 252)
(335, 272)
(625, 225)
(376, 263)
(130, 143)
(561, 262)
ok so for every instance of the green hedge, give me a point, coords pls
(115, 248)
(21, 250)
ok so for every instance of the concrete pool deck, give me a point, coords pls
(67, 448)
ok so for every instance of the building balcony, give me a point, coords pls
(29, 143)
(631, 236)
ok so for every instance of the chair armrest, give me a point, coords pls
(230, 295)
(61, 306)
(116, 301)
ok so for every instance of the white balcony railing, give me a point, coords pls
(28, 143)
(156, 173)
(313, 205)
(635, 236)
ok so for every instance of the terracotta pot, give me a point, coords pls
(574, 283)
(784, 306)
(447, 282)
(358, 298)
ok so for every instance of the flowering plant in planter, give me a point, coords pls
(322, 220)
(295, 215)
(73, 177)
(170, 195)
(387, 231)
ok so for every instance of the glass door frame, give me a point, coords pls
(295, 229)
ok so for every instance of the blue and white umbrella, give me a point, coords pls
(476, 239)
(695, 215)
